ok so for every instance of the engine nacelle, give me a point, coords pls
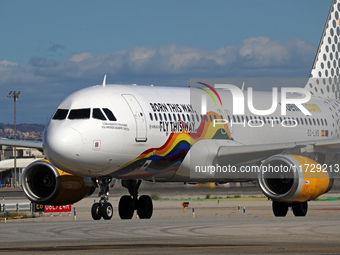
(45, 184)
(293, 178)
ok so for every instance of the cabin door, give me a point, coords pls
(139, 116)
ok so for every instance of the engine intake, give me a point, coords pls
(293, 178)
(43, 183)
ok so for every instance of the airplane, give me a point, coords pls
(193, 135)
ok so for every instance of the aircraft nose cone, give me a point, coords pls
(62, 146)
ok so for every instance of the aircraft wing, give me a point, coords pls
(243, 154)
(22, 143)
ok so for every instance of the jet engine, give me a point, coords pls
(293, 178)
(45, 184)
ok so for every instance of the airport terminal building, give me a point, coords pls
(11, 169)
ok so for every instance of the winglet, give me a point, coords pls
(104, 81)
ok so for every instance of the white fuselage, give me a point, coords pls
(153, 128)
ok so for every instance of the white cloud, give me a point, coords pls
(258, 56)
(6, 65)
(81, 57)
(261, 52)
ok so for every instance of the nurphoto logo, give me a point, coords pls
(244, 112)
(239, 101)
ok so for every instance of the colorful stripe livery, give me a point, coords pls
(170, 156)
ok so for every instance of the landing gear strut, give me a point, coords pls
(128, 204)
(103, 208)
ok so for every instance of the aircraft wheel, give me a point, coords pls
(107, 211)
(96, 211)
(145, 207)
(280, 208)
(300, 209)
(126, 208)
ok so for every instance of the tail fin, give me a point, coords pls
(324, 79)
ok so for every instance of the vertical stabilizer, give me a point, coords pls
(324, 79)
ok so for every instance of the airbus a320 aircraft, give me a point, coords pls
(202, 134)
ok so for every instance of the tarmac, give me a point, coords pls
(218, 226)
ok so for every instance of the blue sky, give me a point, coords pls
(52, 48)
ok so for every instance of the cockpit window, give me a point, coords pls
(60, 114)
(97, 114)
(79, 114)
(109, 114)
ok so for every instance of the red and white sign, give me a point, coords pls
(57, 209)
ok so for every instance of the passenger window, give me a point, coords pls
(77, 114)
(156, 116)
(109, 114)
(150, 116)
(97, 114)
(60, 114)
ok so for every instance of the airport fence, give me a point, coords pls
(16, 207)
(19, 207)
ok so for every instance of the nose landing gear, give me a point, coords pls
(103, 208)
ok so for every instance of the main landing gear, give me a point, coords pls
(103, 208)
(127, 204)
(280, 209)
